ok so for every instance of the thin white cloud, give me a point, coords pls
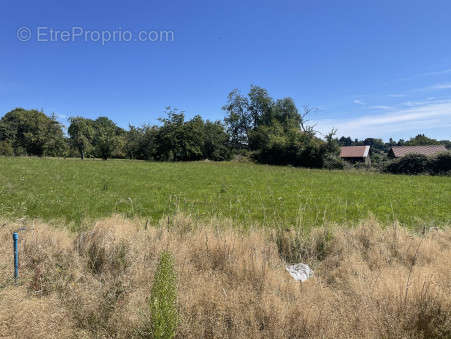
(358, 102)
(380, 107)
(428, 101)
(416, 118)
(435, 87)
(414, 103)
(441, 86)
(445, 71)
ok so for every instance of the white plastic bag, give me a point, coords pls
(300, 272)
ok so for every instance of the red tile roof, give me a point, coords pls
(354, 151)
(400, 151)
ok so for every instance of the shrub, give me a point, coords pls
(360, 165)
(410, 164)
(20, 151)
(378, 160)
(333, 162)
(418, 163)
(163, 299)
(290, 148)
(6, 148)
(441, 163)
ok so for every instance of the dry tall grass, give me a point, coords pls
(369, 281)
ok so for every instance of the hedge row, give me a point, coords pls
(421, 164)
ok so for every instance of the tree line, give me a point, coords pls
(31, 132)
(271, 131)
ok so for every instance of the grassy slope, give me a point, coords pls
(74, 189)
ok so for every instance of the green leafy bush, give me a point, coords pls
(163, 299)
(292, 147)
(360, 165)
(441, 163)
(6, 148)
(333, 162)
(31, 132)
(410, 164)
(421, 164)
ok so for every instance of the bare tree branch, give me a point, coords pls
(305, 119)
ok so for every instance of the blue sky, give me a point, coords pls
(373, 68)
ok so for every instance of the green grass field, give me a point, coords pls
(74, 191)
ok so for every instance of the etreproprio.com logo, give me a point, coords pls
(77, 33)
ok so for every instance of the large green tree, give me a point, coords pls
(133, 141)
(81, 132)
(31, 132)
(216, 144)
(195, 139)
(248, 117)
(109, 139)
(170, 136)
(238, 119)
(274, 131)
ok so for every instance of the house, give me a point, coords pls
(356, 154)
(428, 150)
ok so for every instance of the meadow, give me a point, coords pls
(74, 191)
(95, 231)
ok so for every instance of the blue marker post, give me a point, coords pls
(16, 256)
